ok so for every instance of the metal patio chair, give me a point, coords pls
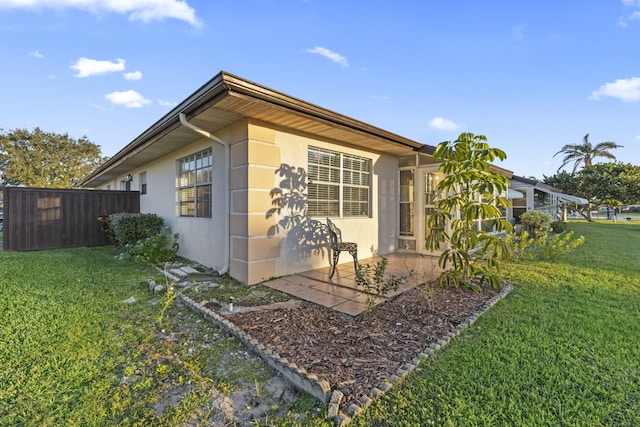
(337, 246)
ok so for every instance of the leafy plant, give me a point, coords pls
(129, 228)
(559, 226)
(536, 222)
(374, 282)
(105, 224)
(160, 248)
(474, 193)
(544, 248)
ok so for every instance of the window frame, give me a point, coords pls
(333, 180)
(195, 196)
(142, 178)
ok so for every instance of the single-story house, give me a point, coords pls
(528, 194)
(248, 175)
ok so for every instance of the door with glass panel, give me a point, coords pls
(429, 194)
(407, 223)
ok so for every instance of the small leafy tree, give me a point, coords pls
(374, 282)
(472, 192)
(537, 223)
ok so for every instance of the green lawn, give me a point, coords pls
(72, 353)
(562, 349)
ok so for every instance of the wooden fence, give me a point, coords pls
(44, 218)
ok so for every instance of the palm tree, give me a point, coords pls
(585, 152)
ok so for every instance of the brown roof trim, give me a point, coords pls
(237, 85)
(224, 84)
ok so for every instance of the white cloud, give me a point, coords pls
(443, 124)
(330, 55)
(164, 103)
(36, 54)
(134, 75)
(627, 90)
(634, 16)
(138, 10)
(90, 67)
(637, 137)
(129, 98)
(623, 21)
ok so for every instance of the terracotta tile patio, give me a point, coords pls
(341, 292)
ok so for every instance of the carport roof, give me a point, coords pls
(226, 99)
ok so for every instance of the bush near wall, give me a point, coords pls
(129, 228)
(537, 223)
(558, 226)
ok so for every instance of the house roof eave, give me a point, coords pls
(258, 98)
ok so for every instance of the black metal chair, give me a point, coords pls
(337, 246)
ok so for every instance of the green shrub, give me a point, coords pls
(374, 282)
(160, 248)
(128, 228)
(105, 224)
(544, 247)
(558, 226)
(536, 222)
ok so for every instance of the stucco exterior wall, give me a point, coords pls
(375, 234)
(256, 251)
(201, 239)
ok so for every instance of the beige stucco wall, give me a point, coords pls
(376, 234)
(256, 253)
(201, 239)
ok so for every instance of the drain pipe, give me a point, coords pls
(227, 249)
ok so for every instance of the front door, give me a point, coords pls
(430, 176)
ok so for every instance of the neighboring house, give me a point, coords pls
(532, 195)
(248, 175)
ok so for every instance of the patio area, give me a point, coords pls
(341, 292)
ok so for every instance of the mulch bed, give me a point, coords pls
(356, 353)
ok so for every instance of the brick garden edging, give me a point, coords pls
(320, 388)
(298, 376)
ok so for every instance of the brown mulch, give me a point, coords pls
(354, 354)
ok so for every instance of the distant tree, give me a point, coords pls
(602, 184)
(611, 184)
(585, 153)
(45, 159)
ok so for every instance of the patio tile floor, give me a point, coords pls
(342, 294)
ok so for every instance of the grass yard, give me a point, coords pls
(562, 349)
(73, 353)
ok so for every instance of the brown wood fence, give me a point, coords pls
(45, 218)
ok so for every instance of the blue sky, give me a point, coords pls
(530, 75)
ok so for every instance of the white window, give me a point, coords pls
(195, 176)
(143, 182)
(339, 184)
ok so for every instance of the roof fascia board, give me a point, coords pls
(237, 85)
(224, 84)
(168, 122)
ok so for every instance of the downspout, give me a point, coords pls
(227, 150)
